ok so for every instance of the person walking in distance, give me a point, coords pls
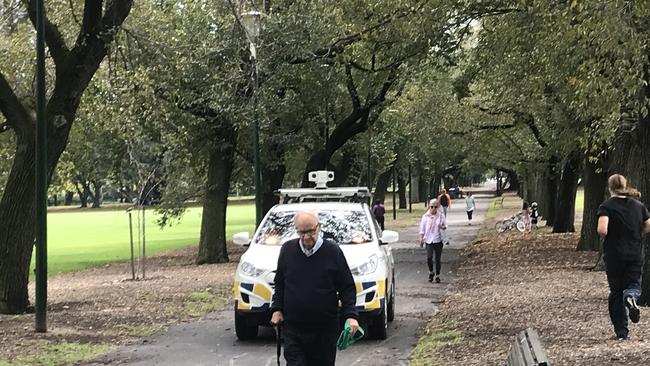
(444, 200)
(312, 277)
(431, 236)
(470, 206)
(378, 211)
(622, 222)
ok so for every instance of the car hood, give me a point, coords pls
(266, 256)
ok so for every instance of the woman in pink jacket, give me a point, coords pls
(431, 226)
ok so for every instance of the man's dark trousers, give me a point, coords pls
(310, 344)
(624, 279)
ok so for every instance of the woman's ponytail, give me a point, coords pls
(618, 184)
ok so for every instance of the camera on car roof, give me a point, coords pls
(321, 178)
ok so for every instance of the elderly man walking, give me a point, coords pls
(311, 278)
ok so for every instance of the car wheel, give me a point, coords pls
(379, 327)
(390, 313)
(244, 330)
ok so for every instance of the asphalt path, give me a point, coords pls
(212, 340)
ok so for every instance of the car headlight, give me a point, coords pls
(250, 270)
(366, 268)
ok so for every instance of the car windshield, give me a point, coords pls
(340, 226)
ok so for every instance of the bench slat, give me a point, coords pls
(510, 362)
(538, 350)
(525, 350)
(516, 351)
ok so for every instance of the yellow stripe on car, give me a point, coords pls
(381, 288)
(374, 304)
(262, 291)
(358, 287)
(242, 306)
(235, 290)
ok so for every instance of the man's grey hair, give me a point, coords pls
(312, 214)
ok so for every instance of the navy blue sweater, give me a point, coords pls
(308, 289)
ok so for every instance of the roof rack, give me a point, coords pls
(340, 194)
(321, 193)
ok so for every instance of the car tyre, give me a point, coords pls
(244, 330)
(390, 313)
(379, 327)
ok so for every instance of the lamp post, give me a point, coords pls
(252, 23)
(41, 175)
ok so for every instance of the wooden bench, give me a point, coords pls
(527, 350)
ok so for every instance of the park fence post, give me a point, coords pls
(144, 247)
(131, 242)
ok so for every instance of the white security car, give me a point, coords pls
(349, 224)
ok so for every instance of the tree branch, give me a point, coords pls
(17, 117)
(390, 80)
(53, 37)
(336, 47)
(90, 24)
(530, 122)
(352, 89)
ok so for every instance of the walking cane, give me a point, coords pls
(278, 342)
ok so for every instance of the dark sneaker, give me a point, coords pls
(635, 314)
(437, 279)
(430, 276)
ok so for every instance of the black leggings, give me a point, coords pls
(437, 247)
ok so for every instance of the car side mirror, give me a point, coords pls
(243, 239)
(389, 237)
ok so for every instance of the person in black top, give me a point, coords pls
(311, 278)
(622, 222)
(378, 210)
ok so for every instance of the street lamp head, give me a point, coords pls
(252, 22)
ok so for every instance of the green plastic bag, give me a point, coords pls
(346, 338)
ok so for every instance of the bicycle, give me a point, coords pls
(516, 221)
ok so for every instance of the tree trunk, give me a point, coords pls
(423, 189)
(69, 195)
(512, 182)
(273, 176)
(531, 194)
(565, 211)
(401, 184)
(435, 187)
(74, 69)
(383, 181)
(82, 192)
(550, 190)
(595, 190)
(631, 158)
(347, 163)
(17, 230)
(97, 194)
(363, 115)
(212, 244)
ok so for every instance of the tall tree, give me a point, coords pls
(74, 68)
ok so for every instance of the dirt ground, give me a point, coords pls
(104, 306)
(514, 281)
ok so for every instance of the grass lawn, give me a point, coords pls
(80, 239)
(580, 200)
